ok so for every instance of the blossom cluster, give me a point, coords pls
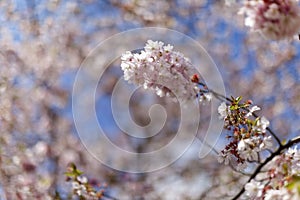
(81, 186)
(247, 133)
(281, 181)
(160, 68)
(275, 19)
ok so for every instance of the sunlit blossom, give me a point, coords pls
(158, 67)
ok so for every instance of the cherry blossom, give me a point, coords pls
(43, 41)
(275, 19)
(80, 184)
(254, 189)
(281, 179)
(251, 110)
(261, 125)
(158, 67)
(281, 194)
(225, 156)
(248, 137)
(223, 110)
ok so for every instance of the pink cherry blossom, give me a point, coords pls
(275, 19)
(158, 67)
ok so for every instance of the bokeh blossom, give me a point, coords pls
(42, 46)
(275, 19)
(230, 2)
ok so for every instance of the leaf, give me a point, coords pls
(294, 184)
(283, 142)
(238, 99)
(73, 171)
(70, 174)
(285, 167)
(256, 120)
(234, 107)
(78, 172)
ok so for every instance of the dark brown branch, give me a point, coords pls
(276, 153)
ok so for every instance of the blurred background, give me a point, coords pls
(43, 44)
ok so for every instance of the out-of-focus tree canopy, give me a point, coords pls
(42, 44)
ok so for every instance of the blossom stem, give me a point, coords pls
(276, 153)
(208, 145)
(220, 97)
(274, 135)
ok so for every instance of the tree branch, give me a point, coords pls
(276, 153)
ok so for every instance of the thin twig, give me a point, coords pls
(220, 96)
(208, 145)
(216, 152)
